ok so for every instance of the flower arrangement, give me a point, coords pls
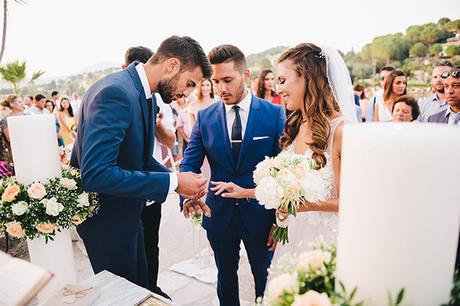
(288, 181)
(41, 209)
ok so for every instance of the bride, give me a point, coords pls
(315, 85)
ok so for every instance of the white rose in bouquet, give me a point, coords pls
(313, 260)
(70, 184)
(269, 193)
(53, 207)
(20, 208)
(83, 200)
(312, 298)
(284, 283)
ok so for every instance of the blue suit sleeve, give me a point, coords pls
(106, 123)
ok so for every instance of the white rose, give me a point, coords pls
(269, 193)
(284, 283)
(53, 207)
(312, 298)
(83, 200)
(286, 177)
(312, 260)
(36, 191)
(20, 208)
(68, 183)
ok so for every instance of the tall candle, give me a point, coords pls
(399, 211)
(34, 147)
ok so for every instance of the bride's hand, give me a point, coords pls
(232, 190)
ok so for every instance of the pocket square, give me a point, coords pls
(259, 137)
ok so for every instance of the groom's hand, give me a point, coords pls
(193, 207)
(191, 185)
(271, 242)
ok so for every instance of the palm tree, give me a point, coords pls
(5, 16)
(15, 72)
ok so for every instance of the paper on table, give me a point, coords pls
(115, 290)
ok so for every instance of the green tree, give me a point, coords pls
(452, 50)
(453, 26)
(413, 33)
(435, 49)
(431, 34)
(15, 72)
(390, 47)
(418, 50)
(442, 21)
(5, 17)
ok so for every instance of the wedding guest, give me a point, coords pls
(395, 86)
(204, 98)
(14, 104)
(49, 105)
(266, 87)
(378, 96)
(451, 115)
(405, 109)
(363, 100)
(55, 98)
(76, 103)
(28, 101)
(436, 102)
(67, 121)
(164, 135)
(254, 84)
(184, 124)
(39, 106)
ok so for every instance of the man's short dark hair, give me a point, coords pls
(54, 93)
(228, 53)
(39, 97)
(139, 53)
(187, 50)
(387, 68)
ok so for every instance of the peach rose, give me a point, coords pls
(45, 228)
(312, 298)
(36, 191)
(15, 229)
(10, 193)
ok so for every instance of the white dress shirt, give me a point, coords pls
(245, 106)
(173, 181)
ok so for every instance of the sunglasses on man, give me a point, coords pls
(454, 74)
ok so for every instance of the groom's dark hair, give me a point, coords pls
(226, 54)
(187, 50)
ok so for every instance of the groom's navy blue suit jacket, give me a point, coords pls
(210, 138)
(115, 158)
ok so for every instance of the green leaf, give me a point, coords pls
(400, 296)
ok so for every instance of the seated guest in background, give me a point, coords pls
(38, 108)
(451, 115)
(28, 101)
(266, 87)
(14, 104)
(384, 72)
(363, 101)
(395, 86)
(436, 102)
(405, 109)
(49, 105)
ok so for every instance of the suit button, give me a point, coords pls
(237, 204)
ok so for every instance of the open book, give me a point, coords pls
(20, 280)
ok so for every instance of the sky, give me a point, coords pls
(65, 37)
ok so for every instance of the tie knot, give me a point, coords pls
(236, 108)
(149, 100)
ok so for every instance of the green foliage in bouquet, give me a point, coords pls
(39, 210)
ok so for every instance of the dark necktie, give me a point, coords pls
(237, 137)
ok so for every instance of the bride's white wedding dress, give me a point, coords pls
(307, 227)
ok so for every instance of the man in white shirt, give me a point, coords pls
(38, 108)
(164, 135)
(75, 103)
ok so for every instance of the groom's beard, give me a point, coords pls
(166, 89)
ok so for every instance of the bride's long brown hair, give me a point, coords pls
(319, 102)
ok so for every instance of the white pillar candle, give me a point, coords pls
(399, 211)
(34, 147)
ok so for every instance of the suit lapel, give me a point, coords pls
(142, 99)
(251, 126)
(222, 128)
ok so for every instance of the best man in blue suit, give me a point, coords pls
(114, 147)
(235, 134)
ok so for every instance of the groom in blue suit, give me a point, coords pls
(235, 134)
(113, 150)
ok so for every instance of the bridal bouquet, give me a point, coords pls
(41, 209)
(287, 181)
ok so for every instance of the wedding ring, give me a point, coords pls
(280, 217)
